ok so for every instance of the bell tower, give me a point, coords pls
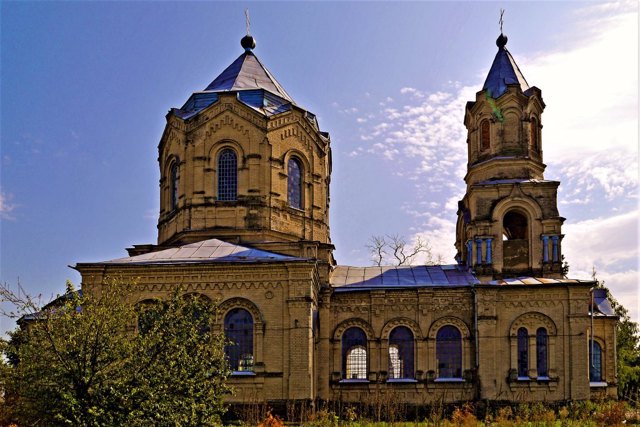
(508, 221)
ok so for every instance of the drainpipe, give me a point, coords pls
(475, 334)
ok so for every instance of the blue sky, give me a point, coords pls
(86, 85)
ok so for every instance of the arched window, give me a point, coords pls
(595, 362)
(354, 354)
(294, 183)
(449, 352)
(523, 353)
(515, 244)
(534, 133)
(227, 175)
(401, 353)
(238, 331)
(542, 355)
(174, 184)
(485, 135)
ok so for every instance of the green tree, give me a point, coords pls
(627, 347)
(81, 361)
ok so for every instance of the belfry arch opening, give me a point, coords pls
(515, 240)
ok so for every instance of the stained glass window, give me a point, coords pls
(542, 353)
(227, 175)
(449, 352)
(401, 353)
(523, 353)
(238, 331)
(294, 183)
(354, 354)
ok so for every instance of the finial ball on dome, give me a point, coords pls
(248, 42)
(501, 41)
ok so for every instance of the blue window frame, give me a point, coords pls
(449, 352)
(238, 331)
(175, 182)
(227, 175)
(294, 183)
(401, 354)
(595, 362)
(354, 354)
(542, 353)
(523, 353)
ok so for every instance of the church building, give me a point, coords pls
(244, 222)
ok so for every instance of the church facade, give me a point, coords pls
(244, 221)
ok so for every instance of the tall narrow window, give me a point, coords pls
(485, 135)
(227, 175)
(595, 362)
(401, 353)
(542, 354)
(238, 331)
(354, 354)
(175, 181)
(534, 133)
(449, 352)
(523, 353)
(294, 183)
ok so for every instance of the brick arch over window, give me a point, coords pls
(449, 320)
(535, 325)
(346, 324)
(401, 321)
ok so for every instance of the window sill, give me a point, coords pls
(596, 384)
(353, 381)
(449, 380)
(402, 380)
(243, 374)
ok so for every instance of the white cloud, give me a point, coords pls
(7, 206)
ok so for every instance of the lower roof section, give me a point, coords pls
(346, 278)
(206, 251)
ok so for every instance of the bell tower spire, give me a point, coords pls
(508, 221)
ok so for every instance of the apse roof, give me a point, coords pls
(206, 251)
(504, 71)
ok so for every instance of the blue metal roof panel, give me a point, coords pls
(504, 71)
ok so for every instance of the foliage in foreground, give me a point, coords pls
(80, 361)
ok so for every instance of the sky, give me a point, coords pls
(85, 87)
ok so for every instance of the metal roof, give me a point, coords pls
(206, 251)
(346, 278)
(247, 72)
(504, 71)
(537, 281)
(601, 303)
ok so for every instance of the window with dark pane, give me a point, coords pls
(175, 181)
(227, 175)
(238, 331)
(542, 353)
(534, 133)
(294, 183)
(523, 353)
(449, 352)
(354, 354)
(595, 362)
(401, 353)
(485, 135)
